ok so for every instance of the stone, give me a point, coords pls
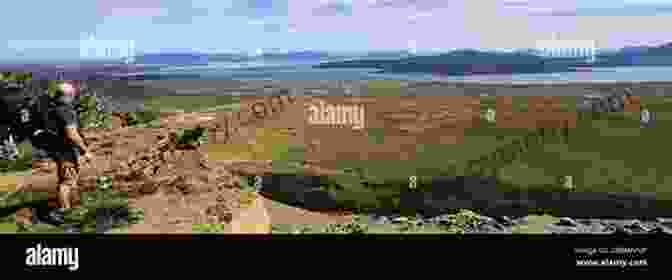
(398, 220)
(660, 229)
(555, 229)
(505, 220)
(522, 221)
(620, 229)
(567, 222)
(636, 226)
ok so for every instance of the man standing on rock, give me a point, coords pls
(61, 139)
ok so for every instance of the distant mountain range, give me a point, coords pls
(461, 62)
(638, 56)
(622, 56)
(298, 56)
(469, 62)
(456, 62)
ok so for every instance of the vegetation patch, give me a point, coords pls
(145, 118)
(94, 110)
(267, 144)
(463, 221)
(103, 209)
(209, 228)
(192, 137)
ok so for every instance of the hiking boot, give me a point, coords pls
(57, 216)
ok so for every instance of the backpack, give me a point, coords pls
(13, 101)
(14, 107)
(26, 111)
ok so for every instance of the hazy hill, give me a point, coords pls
(638, 56)
(466, 62)
(461, 62)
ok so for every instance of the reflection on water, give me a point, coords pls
(306, 72)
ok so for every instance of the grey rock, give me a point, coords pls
(442, 219)
(522, 221)
(616, 104)
(487, 220)
(505, 220)
(664, 220)
(399, 220)
(620, 229)
(660, 229)
(596, 228)
(499, 227)
(490, 228)
(587, 222)
(556, 229)
(567, 222)
(647, 118)
(591, 225)
(637, 226)
(377, 219)
(381, 220)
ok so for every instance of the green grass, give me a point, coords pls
(190, 103)
(8, 228)
(208, 228)
(269, 144)
(456, 224)
(84, 215)
(605, 153)
(383, 88)
(147, 118)
(535, 224)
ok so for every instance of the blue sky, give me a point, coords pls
(224, 25)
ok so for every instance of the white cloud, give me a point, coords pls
(419, 15)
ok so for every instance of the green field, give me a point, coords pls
(602, 150)
(605, 153)
(608, 152)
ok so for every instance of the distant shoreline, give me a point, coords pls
(131, 72)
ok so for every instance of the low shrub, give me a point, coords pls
(192, 137)
(103, 209)
(94, 110)
(208, 228)
(142, 118)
